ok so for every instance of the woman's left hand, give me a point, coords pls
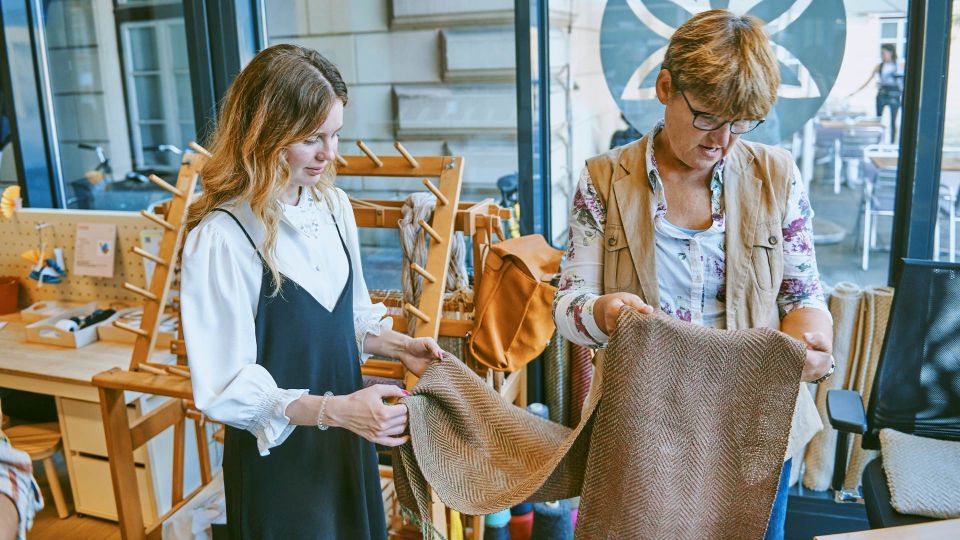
(817, 361)
(418, 353)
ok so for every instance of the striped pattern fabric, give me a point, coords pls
(17, 483)
(683, 437)
(581, 373)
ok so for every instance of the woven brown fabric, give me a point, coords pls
(684, 436)
(581, 373)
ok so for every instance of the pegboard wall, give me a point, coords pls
(19, 234)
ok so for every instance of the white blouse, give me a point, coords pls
(219, 293)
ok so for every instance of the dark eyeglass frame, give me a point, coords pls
(696, 114)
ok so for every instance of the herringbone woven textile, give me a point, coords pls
(684, 436)
(875, 315)
(581, 373)
(822, 450)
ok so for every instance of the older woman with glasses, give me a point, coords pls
(697, 222)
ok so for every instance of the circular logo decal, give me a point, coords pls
(808, 39)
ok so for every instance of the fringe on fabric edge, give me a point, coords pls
(425, 525)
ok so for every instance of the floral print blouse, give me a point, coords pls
(691, 268)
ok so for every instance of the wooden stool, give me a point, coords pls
(41, 442)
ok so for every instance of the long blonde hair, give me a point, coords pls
(281, 97)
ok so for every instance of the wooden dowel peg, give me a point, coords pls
(341, 161)
(420, 270)
(441, 198)
(142, 292)
(150, 369)
(128, 328)
(363, 203)
(430, 230)
(406, 155)
(158, 220)
(148, 255)
(199, 149)
(417, 313)
(160, 182)
(373, 157)
(178, 371)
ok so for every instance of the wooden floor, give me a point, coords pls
(47, 526)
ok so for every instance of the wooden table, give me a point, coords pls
(58, 371)
(66, 374)
(933, 530)
(890, 162)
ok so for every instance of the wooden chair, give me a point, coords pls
(41, 442)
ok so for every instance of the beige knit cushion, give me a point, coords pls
(923, 474)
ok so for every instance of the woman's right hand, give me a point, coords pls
(606, 309)
(364, 413)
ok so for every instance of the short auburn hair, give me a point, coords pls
(725, 61)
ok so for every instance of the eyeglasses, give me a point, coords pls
(705, 121)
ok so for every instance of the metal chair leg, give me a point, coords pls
(953, 232)
(867, 227)
(936, 240)
(837, 165)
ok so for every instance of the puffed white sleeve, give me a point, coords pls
(368, 317)
(218, 304)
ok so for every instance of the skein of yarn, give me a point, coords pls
(551, 521)
(495, 526)
(540, 410)
(498, 519)
(521, 509)
(496, 533)
(521, 525)
(415, 244)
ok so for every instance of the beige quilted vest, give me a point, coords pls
(756, 182)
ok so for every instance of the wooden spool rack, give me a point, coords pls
(479, 220)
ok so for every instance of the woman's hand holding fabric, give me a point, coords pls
(418, 353)
(607, 308)
(365, 413)
(819, 351)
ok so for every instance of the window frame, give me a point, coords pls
(916, 209)
(171, 107)
(900, 40)
(532, 34)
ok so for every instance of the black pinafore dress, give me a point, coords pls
(316, 484)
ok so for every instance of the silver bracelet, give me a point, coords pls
(323, 407)
(833, 366)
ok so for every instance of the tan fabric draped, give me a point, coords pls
(756, 183)
(859, 324)
(873, 327)
(683, 437)
(845, 308)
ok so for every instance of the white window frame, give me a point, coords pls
(900, 41)
(171, 107)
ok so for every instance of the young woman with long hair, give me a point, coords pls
(276, 315)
